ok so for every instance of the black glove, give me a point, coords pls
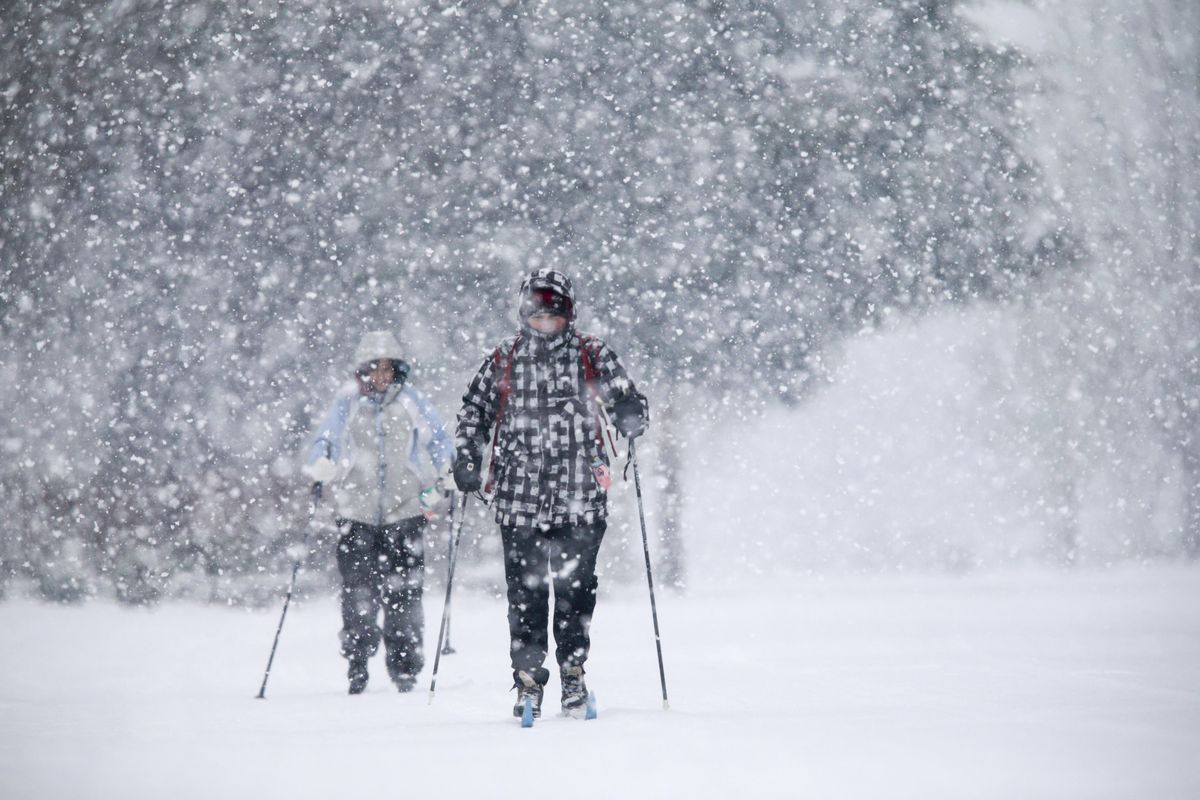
(466, 473)
(629, 416)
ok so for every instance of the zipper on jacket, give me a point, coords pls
(382, 470)
(542, 382)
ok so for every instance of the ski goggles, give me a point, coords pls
(546, 301)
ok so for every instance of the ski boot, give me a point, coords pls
(528, 689)
(358, 675)
(574, 691)
(402, 673)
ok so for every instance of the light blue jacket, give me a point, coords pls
(387, 448)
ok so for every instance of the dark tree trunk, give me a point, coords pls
(1063, 511)
(670, 496)
(1191, 501)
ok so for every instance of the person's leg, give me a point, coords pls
(403, 614)
(573, 554)
(359, 600)
(525, 563)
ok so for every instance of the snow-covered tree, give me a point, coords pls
(1103, 382)
(211, 201)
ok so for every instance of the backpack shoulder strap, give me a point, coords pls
(590, 377)
(503, 390)
(589, 360)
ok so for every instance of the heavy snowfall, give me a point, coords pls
(912, 290)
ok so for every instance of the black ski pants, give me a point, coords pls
(383, 567)
(534, 560)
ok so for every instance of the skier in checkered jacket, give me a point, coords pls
(539, 395)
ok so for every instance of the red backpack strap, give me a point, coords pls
(503, 389)
(590, 374)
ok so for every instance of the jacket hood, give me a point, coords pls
(376, 345)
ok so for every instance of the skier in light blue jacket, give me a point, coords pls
(383, 451)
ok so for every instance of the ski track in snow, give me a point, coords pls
(1014, 685)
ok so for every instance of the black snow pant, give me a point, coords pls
(535, 559)
(383, 566)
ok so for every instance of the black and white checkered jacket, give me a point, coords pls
(548, 441)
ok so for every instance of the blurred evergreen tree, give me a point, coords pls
(210, 202)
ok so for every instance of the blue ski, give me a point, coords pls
(527, 713)
(591, 706)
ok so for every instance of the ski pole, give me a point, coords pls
(637, 482)
(454, 537)
(446, 649)
(312, 518)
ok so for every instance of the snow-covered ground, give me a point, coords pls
(1006, 685)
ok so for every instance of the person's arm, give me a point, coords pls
(479, 407)
(328, 440)
(626, 406)
(432, 432)
(475, 418)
